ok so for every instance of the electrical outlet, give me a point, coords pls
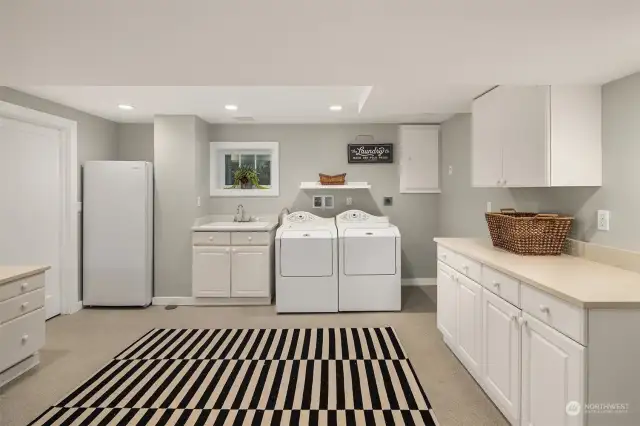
(388, 201)
(199, 202)
(349, 201)
(488, 206)
(450, 170)
(603, 220)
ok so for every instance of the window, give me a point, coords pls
(227, 157)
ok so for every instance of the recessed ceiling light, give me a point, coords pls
(231, 107)
(125, 107)
(335, 107)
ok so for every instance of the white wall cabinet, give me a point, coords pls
(552, 375)
(211, 272)
(419, 159)
(233, 267)
(250, 266)
(537, 136)
(501, 354)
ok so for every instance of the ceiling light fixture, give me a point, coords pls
(335, 107)
(231, 107)
(125, 107)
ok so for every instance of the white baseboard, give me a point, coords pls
(210, 301)
(418, 281)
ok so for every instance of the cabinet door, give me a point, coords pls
(486, 140)
(446, 316)
(211, 272)
(501, 354)
(419, 159)
(552, 376)
(250, 272)
(525, 135)
(469, 302)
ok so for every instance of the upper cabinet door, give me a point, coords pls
(552, 376)
(525, 135)
(419, 159)
(486, 143)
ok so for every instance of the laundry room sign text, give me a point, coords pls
(370, 153)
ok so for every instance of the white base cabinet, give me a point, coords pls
(447, 294)
(552, 376)
(501, 354)
(234, 268)
(469, 310)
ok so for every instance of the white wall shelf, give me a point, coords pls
(348, 185)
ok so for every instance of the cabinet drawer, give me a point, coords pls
(21, 305)
(21, 338)
(21, 286)
(250, 238)
(564, 317)
(446, 256)
(503, 285)
(468, 267)
(211, 238)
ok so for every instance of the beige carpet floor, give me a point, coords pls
(78, 345)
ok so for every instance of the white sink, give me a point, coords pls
(234, 225)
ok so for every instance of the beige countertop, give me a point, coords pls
(578, 281)
(12, 273)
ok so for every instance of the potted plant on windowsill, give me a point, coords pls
(246, 178)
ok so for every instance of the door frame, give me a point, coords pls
(70, 247)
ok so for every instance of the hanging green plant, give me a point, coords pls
(245, 177)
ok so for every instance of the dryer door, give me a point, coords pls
(369, 252)
(306, 254)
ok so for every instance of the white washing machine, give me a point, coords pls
(307, 264)
(369, 264)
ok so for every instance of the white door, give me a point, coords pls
(211, 272)
(419, 159)
(552, 376)
(446, 317)
(470, 323)
(501, 354)
(486, 140)
(31, 208)
(525, 136)
(250, 272)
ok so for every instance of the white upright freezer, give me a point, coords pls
(117, 233)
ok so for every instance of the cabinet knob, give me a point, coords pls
(496, 284)
(499, 182)
(24, 286)
(465, 267)
(249, 238)
(210, 238)
(24, 305)
(25, 338)
(522, 322)
(544, 309)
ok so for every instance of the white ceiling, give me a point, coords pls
(420, 56)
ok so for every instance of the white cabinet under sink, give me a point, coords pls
(537, 136)
(233, 267)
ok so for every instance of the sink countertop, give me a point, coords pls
(203, 224)
(12, 273)
(578, 281)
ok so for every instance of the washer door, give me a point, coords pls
(306, 254)
(369, 252)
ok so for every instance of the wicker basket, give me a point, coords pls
(332, 180)
(528, 233)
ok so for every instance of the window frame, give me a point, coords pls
(217, 152)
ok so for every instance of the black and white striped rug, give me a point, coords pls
(334, 376)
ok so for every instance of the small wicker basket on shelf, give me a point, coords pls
(528, 233)
(332, 180)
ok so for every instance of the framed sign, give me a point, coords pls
(370, 153)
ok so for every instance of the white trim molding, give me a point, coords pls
(70, 249)
(418, 281)
(217, 168)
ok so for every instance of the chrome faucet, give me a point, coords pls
(239, 217)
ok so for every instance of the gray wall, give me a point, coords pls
(177, 171)
(306, 150)
(462, 207)
(135, 141)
